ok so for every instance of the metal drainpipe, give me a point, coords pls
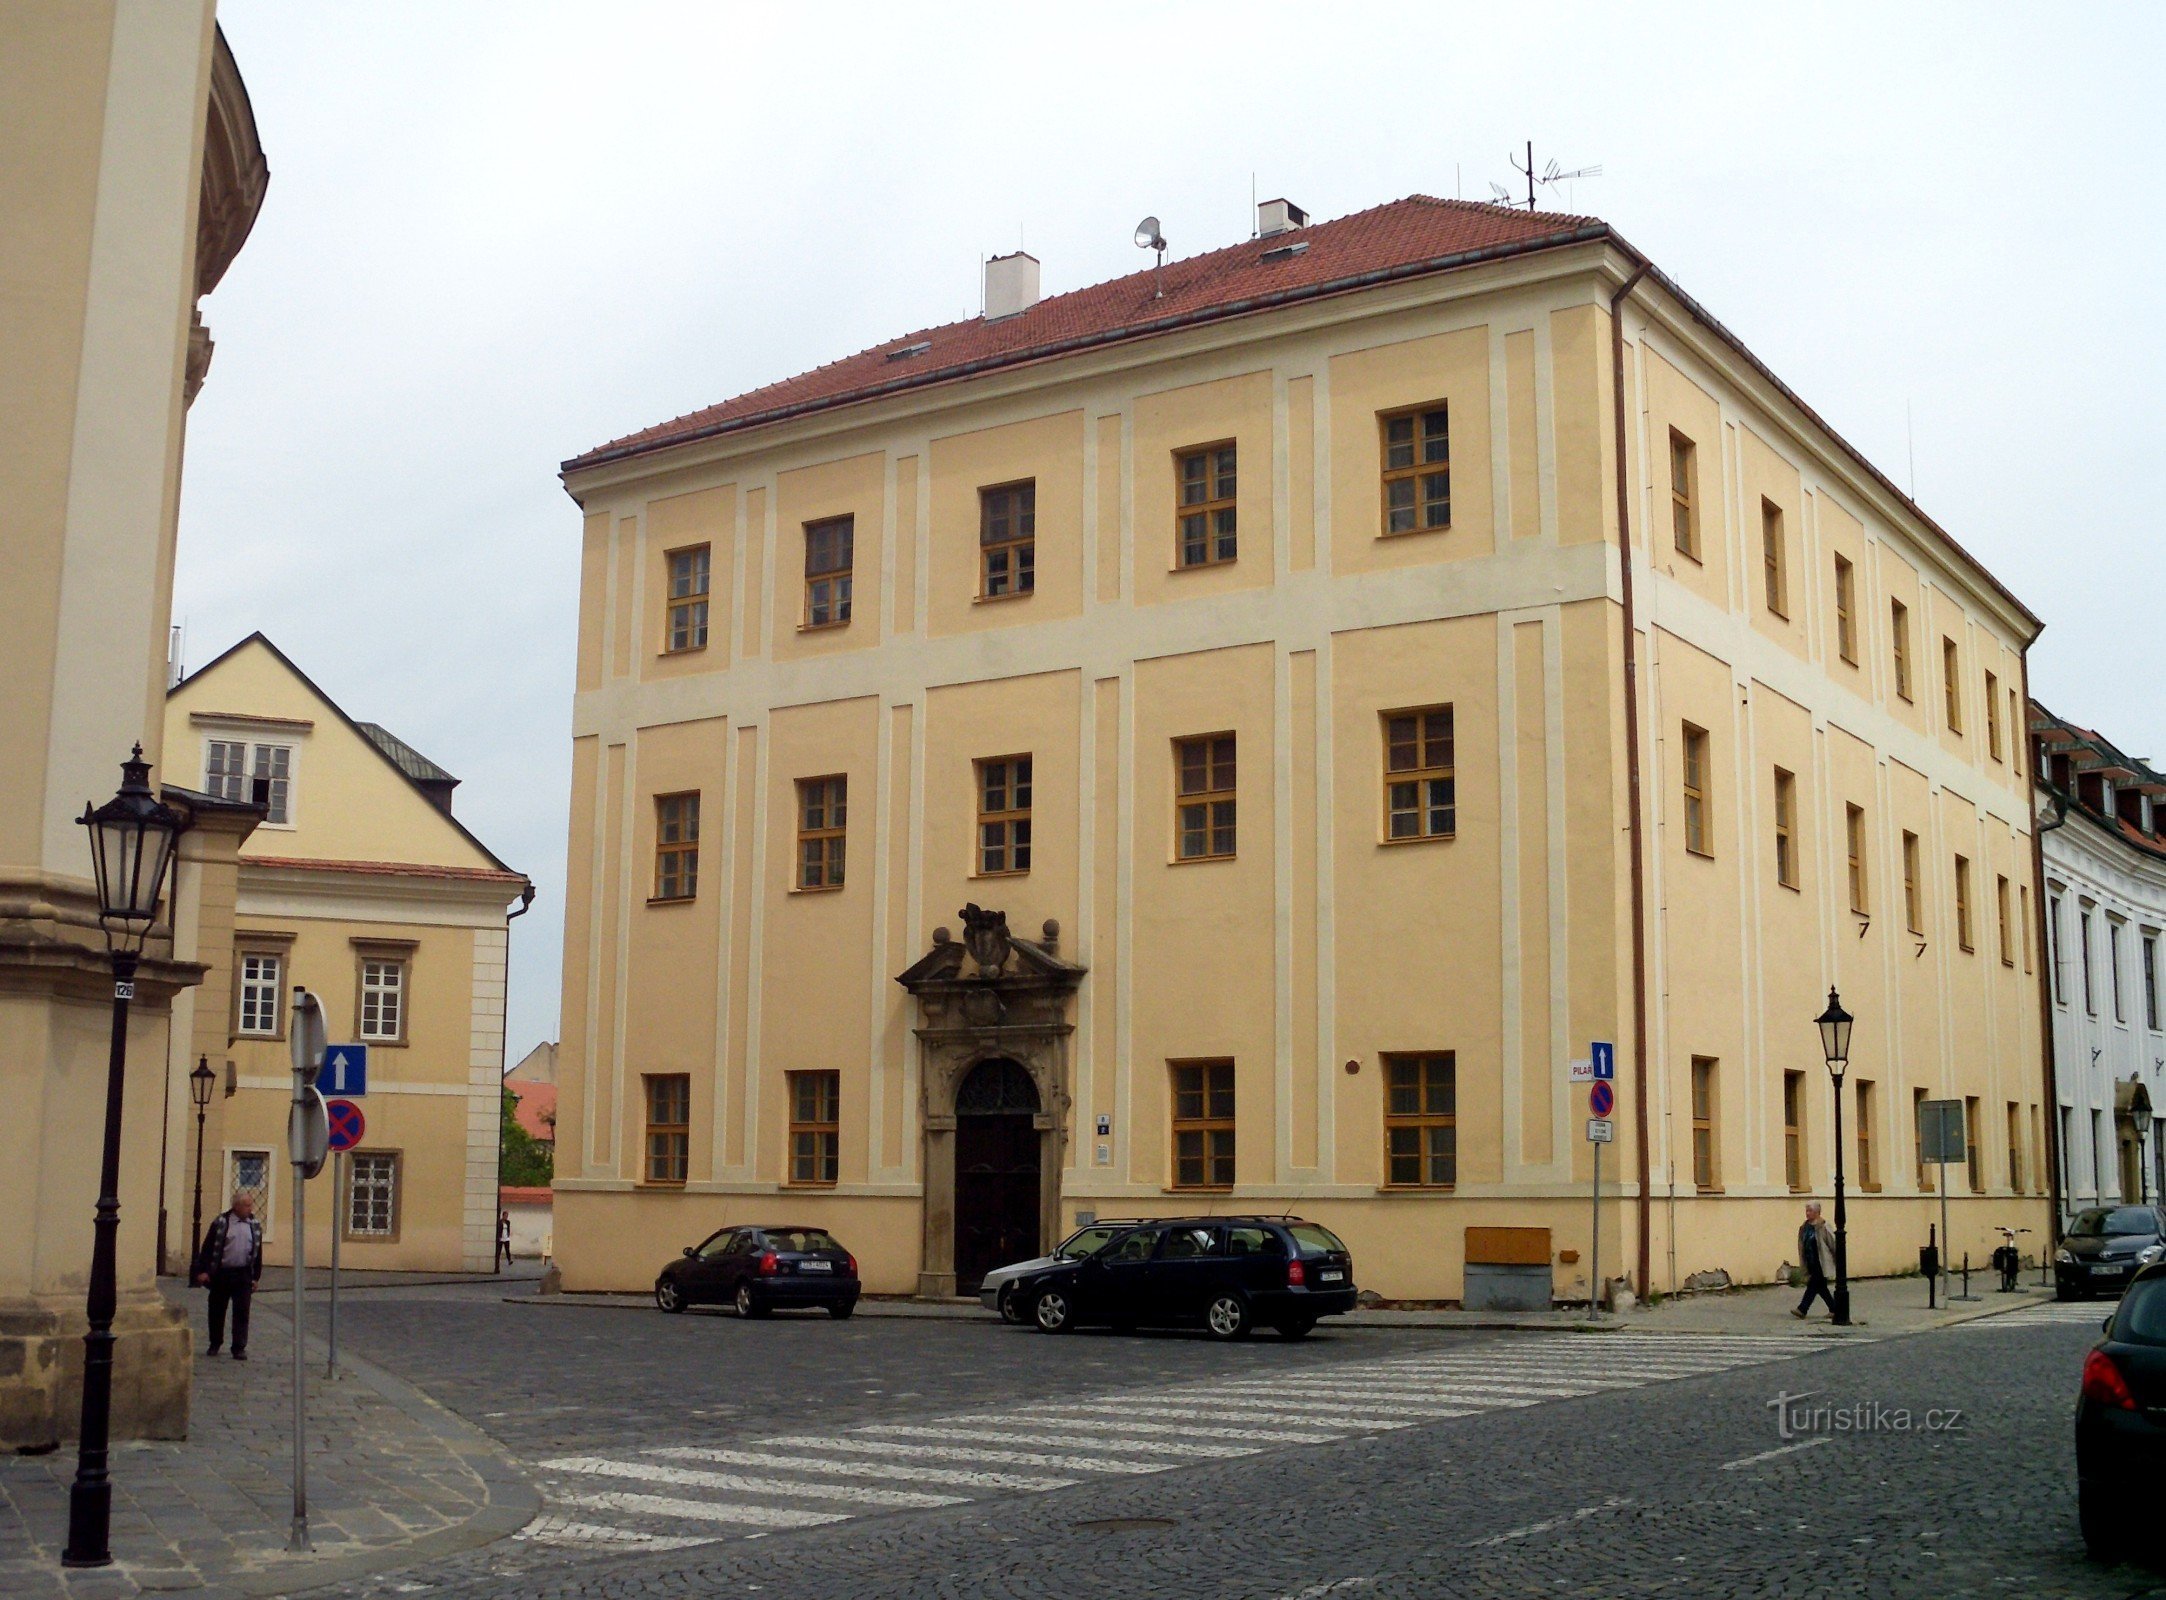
(1634, 824)
(503, 1058)
(2039, 830)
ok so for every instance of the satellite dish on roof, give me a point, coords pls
(1147, 235)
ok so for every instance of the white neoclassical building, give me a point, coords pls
(2102, 828)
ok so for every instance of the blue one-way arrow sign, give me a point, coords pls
(345, 1071)
(1605, 1060)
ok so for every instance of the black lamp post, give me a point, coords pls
(132, 838)
(1835, 1045)
(2142, 1119)
(199, 1090)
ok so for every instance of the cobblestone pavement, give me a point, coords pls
(1418, 1465)
(391, 1476)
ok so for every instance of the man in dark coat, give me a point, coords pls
(229, 1263)
(1816, 1253)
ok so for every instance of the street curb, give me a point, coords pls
(510, 1501)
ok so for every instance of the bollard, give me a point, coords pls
(1966, 1294)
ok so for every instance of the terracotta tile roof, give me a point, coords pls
(395, 869)
(1403, 239)
(512, 1194)
(535, 1107)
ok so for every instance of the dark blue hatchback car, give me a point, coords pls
(760, 1269)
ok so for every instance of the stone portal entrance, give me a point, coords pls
(993, 1081)
(996, 1171)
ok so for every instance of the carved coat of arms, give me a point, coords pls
(985, 936)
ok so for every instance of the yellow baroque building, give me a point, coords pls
(1228, 740)
(331, 860)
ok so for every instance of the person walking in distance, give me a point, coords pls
(229, 1264)
(1816, 1250)
(503, 1242)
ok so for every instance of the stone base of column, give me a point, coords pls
(936, 1286)
(41, 1371)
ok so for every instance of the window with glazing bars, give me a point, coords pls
(2015, 1146)
(1004, 815)
(1204, 484)
(2113, 966)
(1684, 495)
(1917, 1140)
(1993, 716)
(2083, 952)
(1785, 829)
(1913, 893)
(1899, 644)
(1008, 539)
(1962, 902)
(1699, 837)
(1868, 1175)
(1420, 791)
(676, 846)
(1951, 677)
(1846, 611)
(689, 578)
(823, 816)
(383, 998)
(261, 991)
(1973, 1149)
(1203, 812)
(1202, 1124)
(1793, 1129)
(2006, 912)
(1703, 1122)
(1854, 838)
(372, 1191)
(830, 551)
(815, 1127)
(2150, 981)
(1417, 470)
(1421, 1114)
(1772, 562)
(669, 1126)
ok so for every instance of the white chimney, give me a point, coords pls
(1011, 285)
(1278, 216)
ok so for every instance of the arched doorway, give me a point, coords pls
(997, 1150)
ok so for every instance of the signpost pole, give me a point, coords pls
(304, 1145)
(1594, 1253)
(330, 1327)
(1947, 1285)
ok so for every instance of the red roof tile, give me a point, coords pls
(512, 1194)
(1403, 239)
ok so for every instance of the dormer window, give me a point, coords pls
(233, 767)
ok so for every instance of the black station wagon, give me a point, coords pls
(1226, 1274)
(758, 1269)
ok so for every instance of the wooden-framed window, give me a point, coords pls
(1846, 611)
(1854, 842)
(1785, 829)
(1917, 1140)
(1793, 1130)
(1699, 830)
(1706, 1175)
(2015, 1146)
(372, 1195)
(1203, 809)
(259, 994)
(2006, 913)
(1868, 1174)
(2113, 966)
(2150, 981)
(1973, 1153)
(2015, 744)
(2083, 952)
(1420, 789)
(1774, 567)
(232, 768)
(1962, 902)
(669, 1126)
(1993, 716)
(676, 846)
(1008, 539)
(830, 555)
(1899, 644)
(2055, 949)
(382, 998)
(1913, 892)
(1684, 495)
(690, 577)
(1003, 816)
(1417, 458)
(1951, 681)
(1204, 483)
(2023, 923)
(1421, 1120)
(1202, 1124)
(823, 819)
(815, 1128)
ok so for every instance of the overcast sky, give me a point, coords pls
(497, 235)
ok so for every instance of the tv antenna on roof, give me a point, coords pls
(1149, 238)
(1549, 176)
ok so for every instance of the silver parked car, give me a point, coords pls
(1085, 1242)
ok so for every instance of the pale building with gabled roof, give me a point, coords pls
(359, 883)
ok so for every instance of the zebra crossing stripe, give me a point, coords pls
(655, 1505)
(1161, 1447)
(943, 1452)
(781, 1488)
(601, 1533)
(1188, 1431)
(1360, 1417)
(1005, 1481)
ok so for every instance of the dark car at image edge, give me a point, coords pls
(2121, 1422)
(2104, 1247)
